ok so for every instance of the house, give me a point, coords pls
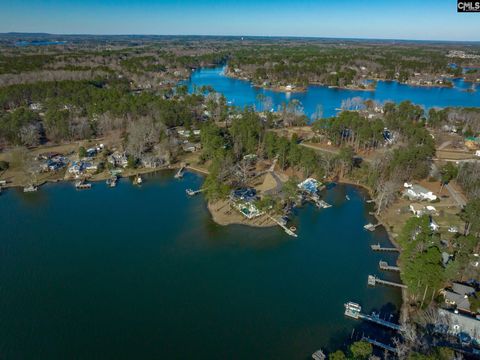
(243, 194)
(458, 296)
(417, 192)
(458, 301)
(309, 185)
(191, 147)
(247, 209)
(458, 325)
(118, 159)
(151, 162)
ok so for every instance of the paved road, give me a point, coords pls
(456, 196)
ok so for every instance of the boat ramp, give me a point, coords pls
(373, 280)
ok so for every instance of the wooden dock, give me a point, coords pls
(179, 173)
(378, 247)
(191, 192)
(354, 311)
(371, 227)
(373, 280)
(287, 230)
(383, 265)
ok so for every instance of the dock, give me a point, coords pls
(378, 247)
(179, 173)
(318, 355)
(383, 265)
(380, 345)
(371, 227)
(287, 230)
(354, 311)
(373, 280)
(80, 185)
(191, 192)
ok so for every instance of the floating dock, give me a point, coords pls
(373, 280)
(383, 265)
(378, 247)
(354, 311)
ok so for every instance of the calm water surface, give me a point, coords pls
(144, 273)
(242, 93)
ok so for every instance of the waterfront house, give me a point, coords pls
(417, 192)
(309, 185)
(243, 194)
(458, 296)
(118, 159)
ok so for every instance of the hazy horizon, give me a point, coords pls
(428, 20)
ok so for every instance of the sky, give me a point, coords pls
(380, 19)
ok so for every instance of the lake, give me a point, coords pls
(241, 93)
(143, 272)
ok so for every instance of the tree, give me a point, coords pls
(82, 152)
(470, 215)
(448, 172)
(337, 355)
(361, 349)
(4, 165)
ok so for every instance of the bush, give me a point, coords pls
(82, 152)
(4, 165)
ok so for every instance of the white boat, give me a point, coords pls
(347, 197)
(30, 188)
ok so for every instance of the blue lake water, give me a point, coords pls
(144, 273)
(241, 93)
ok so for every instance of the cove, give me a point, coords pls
(241, 93)
(143, 272)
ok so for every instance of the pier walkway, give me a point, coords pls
(373, 280)
(378, 247)
(354, 311)
(383, 265)
(380, 345)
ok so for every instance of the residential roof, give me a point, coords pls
(458, 323)
(462, 289)
(461, 301)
